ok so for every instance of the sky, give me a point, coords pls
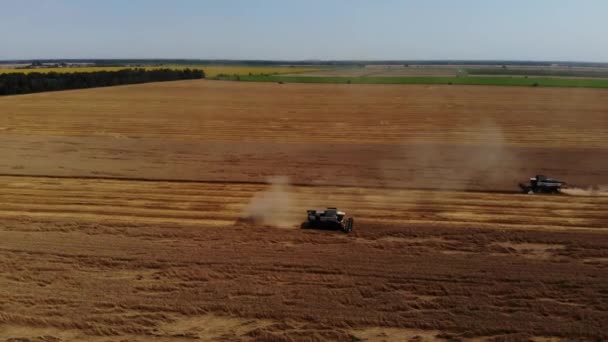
(557, 30)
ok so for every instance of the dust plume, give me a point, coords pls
(591, 191)
(480, 160)
(272, 206)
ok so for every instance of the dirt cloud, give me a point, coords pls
(481, 161)
(273, 206)
(591, 191)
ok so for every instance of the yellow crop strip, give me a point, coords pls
(210, 71)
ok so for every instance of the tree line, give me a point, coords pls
(34, 82)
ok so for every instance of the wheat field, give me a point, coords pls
(210, 70)
(171, 212)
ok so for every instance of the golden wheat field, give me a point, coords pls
(171, 212)
(210, 70)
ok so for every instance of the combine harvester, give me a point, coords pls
(542, 185)
(330, 218)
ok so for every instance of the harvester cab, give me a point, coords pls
(542, 184)
(330, 218)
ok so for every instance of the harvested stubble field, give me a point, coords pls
(121, 206)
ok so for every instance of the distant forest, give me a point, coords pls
(35, 82)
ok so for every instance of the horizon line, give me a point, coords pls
(502, 61)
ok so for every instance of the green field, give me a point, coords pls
(539, 73)
(497, 81)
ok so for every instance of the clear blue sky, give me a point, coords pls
(306, 29)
